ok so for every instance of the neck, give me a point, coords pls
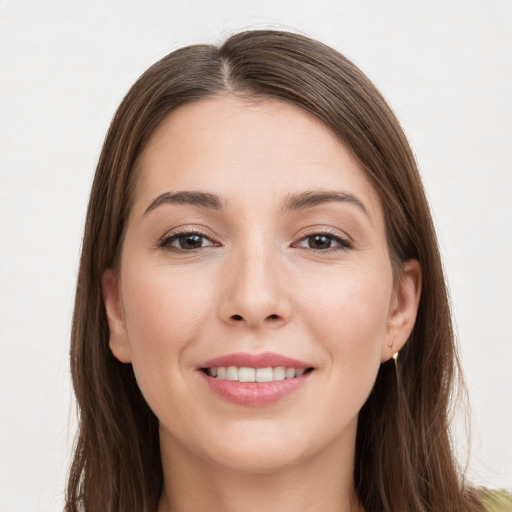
(322, 483)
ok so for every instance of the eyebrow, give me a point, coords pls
(314, 198)
(201, 199)
(293, 202)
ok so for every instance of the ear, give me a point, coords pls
(403, 308)
(118, 343)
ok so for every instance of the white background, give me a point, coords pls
(444, 65)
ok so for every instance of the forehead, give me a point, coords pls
(242, 148)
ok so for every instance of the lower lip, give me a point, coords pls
(255, 394)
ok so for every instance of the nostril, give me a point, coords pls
(273, 317)
(237, 317)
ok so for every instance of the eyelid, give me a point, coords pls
(187, 230)
(343, 240)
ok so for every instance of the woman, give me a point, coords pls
(261, 318)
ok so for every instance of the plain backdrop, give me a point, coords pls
(444, 65)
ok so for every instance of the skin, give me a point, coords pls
(256, 282)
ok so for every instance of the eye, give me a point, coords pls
(323, 242)
(186, 241)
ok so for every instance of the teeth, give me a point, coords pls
(245, 374)
(279, 373)
(264, 375)
(290, 373)
(232, 373)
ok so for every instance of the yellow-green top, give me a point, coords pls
(497, 501)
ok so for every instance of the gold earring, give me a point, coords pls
(395, 359)
(395, 355)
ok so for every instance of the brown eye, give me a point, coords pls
(323, 242)
(319, 242)
(186, 242)
(190, 241)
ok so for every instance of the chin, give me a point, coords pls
(257, 458)
(266, 449)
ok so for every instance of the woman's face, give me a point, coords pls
(255, 241)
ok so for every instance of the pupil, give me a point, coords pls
(190, 241)
(319, 242)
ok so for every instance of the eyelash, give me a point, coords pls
(167, 241)
(343, 243)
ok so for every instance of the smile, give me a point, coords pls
(246, 374)
(255, 380)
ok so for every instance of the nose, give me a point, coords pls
(255, 292)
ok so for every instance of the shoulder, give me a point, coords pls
(496, 501)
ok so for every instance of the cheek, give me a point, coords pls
(345, 315)
(164, 311)
(348, 316)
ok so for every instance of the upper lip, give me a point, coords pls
(264, 360)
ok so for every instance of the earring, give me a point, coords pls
(395, 355)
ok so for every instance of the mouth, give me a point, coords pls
(249, 374)
(255, 379)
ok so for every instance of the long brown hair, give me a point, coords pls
(404, 458)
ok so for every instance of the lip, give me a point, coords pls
(263, 360)
(255, 394)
